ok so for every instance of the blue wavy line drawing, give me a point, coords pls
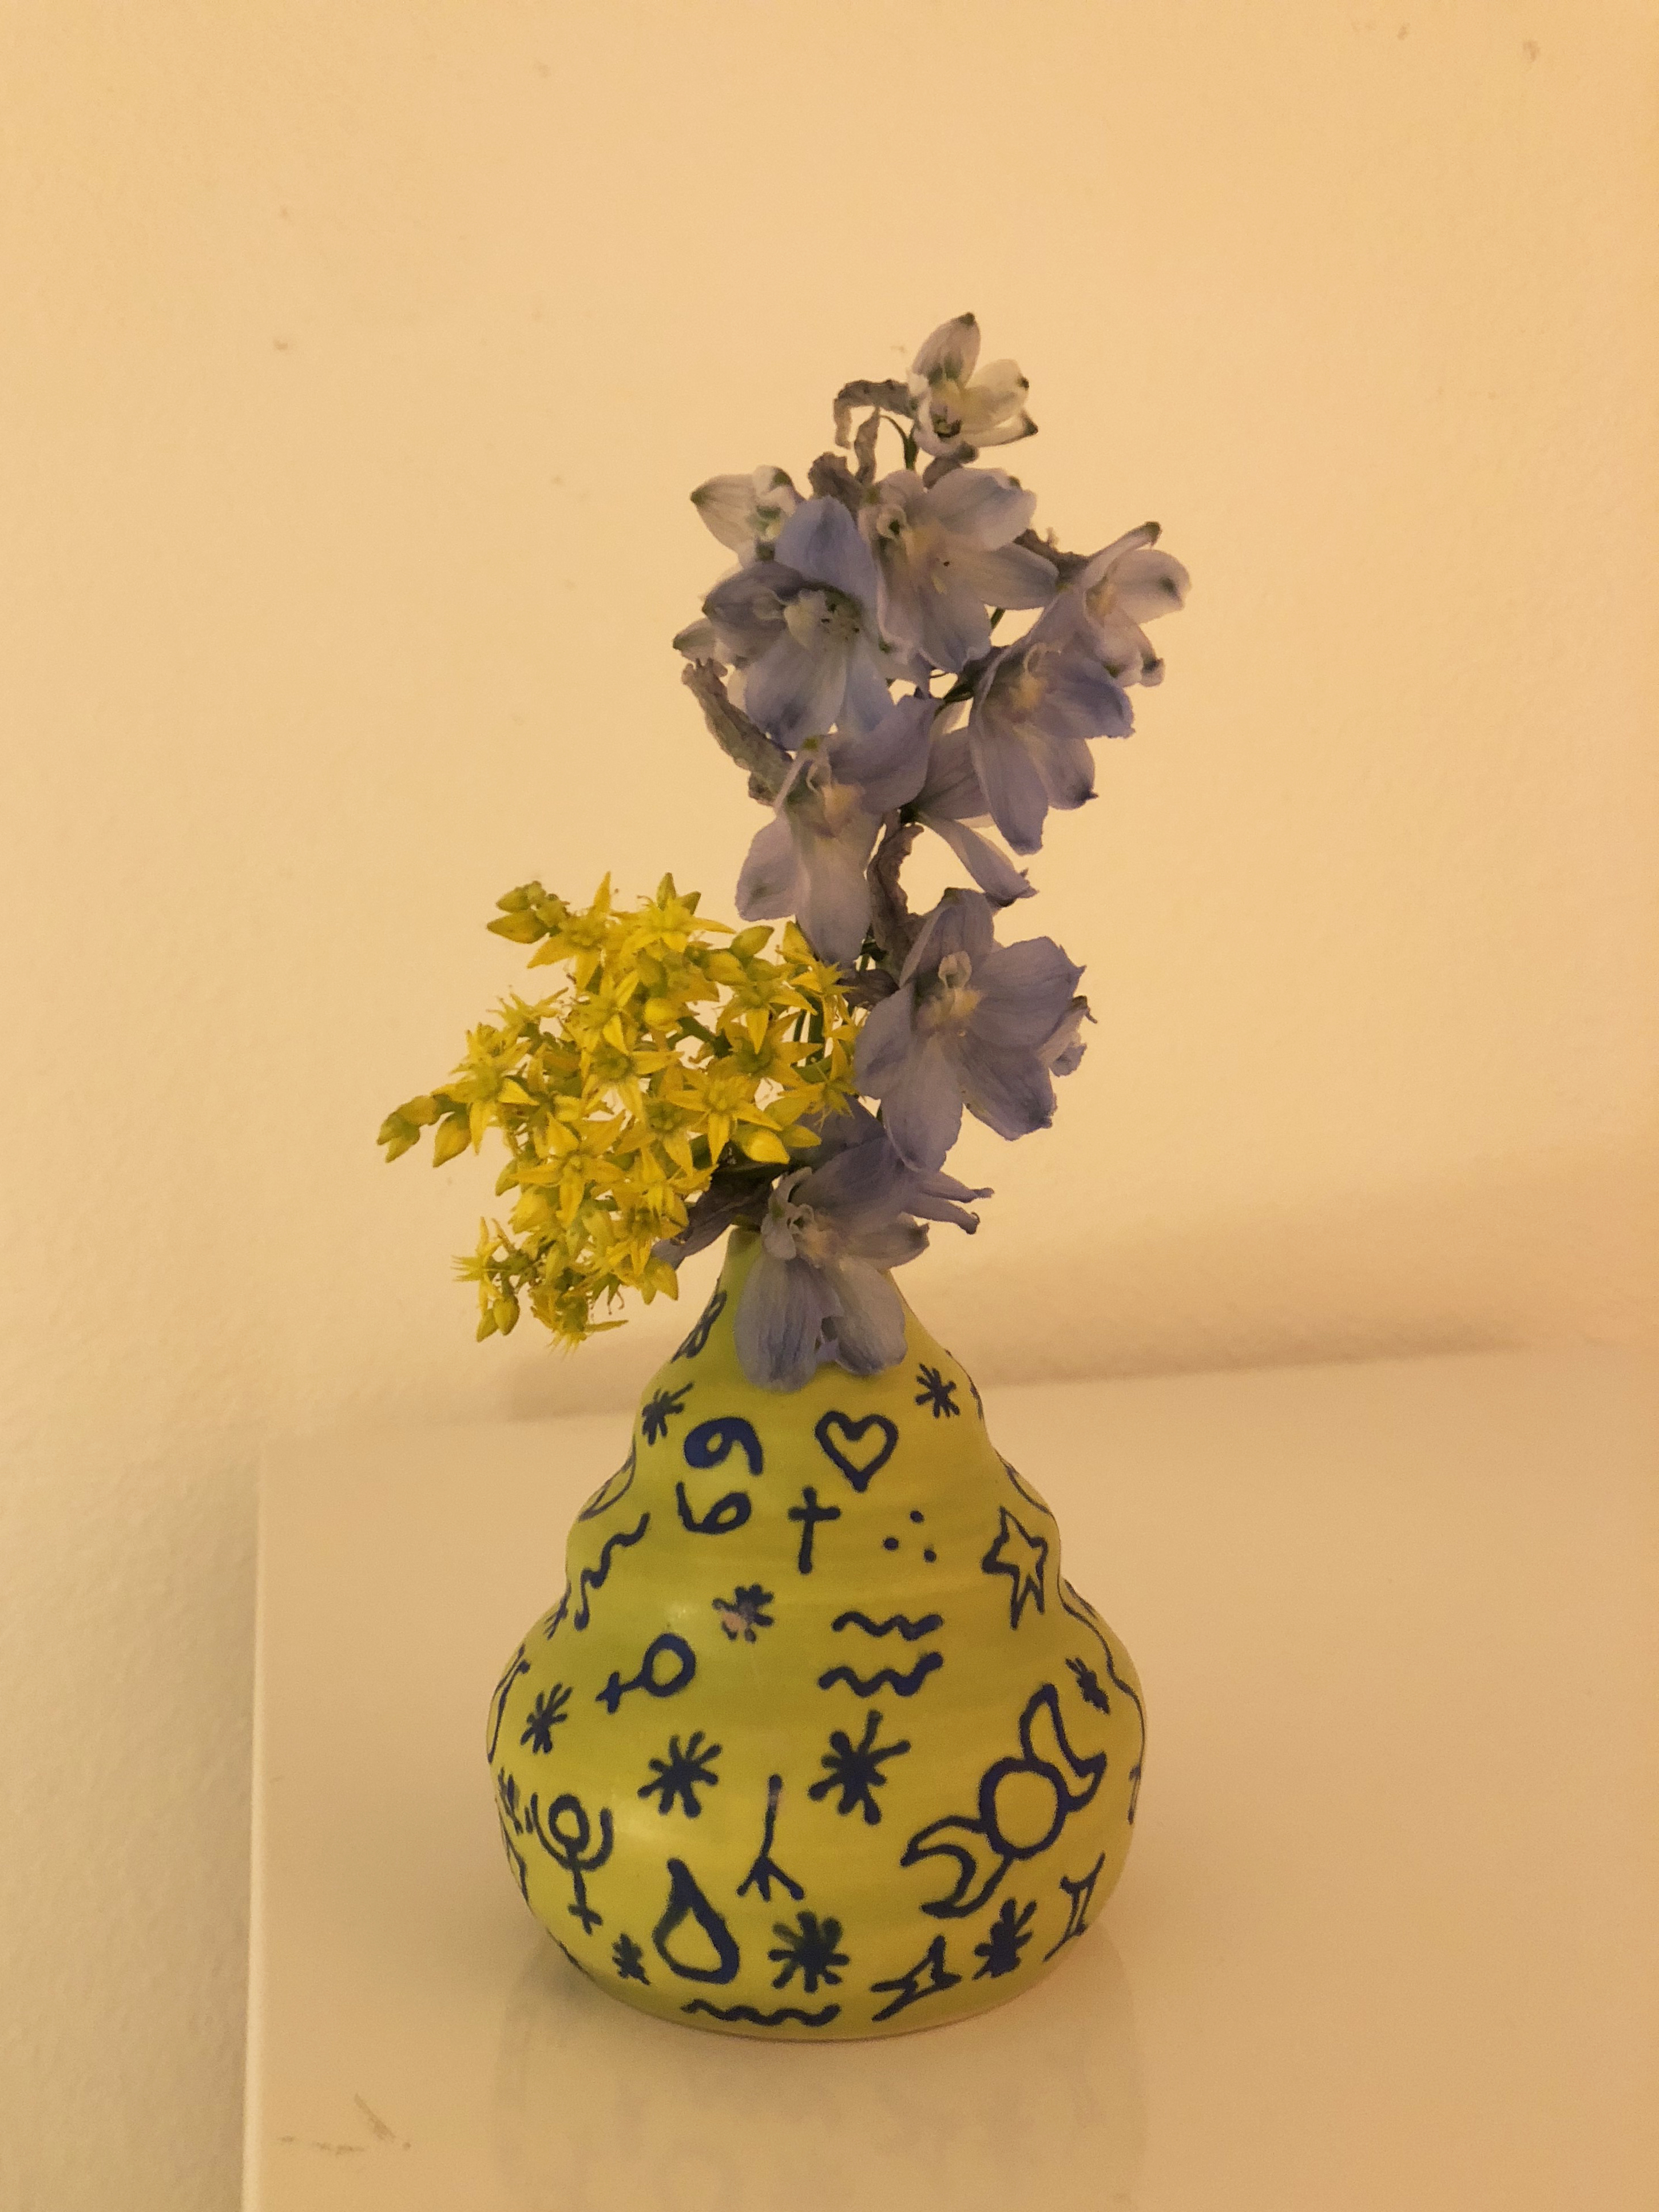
(592, 1578)
(764, 2018)
(902, 1685)
(909, 1630)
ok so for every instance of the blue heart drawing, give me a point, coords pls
(858, 1476)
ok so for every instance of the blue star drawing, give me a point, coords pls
(1005, 1939)
(936, 1392)
(854, 1769)
(683, 1773)
(809, 1950)
(1089, 1689)
(545, 1715)
(629, 1959)
(658, 1412)
(1021, 1558)
(743, 1613)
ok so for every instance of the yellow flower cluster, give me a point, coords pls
(663, 1055)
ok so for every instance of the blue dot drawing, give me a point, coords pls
(566, 1835)
(937, 1392)
(711, 1443)
(698, 1339)
(766, 1870)
(840, 1439)
(854, 1769)
(629, 1959)
(1004, 1939)
(1022, 1556)
(744, 1614)
(546, 1713)
(980, 1844)
(911, 1985)
(687, 1902)
(809, 1949)
(1080, 1895)
(659, 1409)
(682, 1773)
(681, 1665)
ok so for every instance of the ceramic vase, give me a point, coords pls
(818, 1740)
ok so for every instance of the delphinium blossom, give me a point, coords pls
(674, 1087)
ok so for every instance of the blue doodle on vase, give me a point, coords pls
(659, 1409)
(809, 1949)
(556, 1620)
(698, 1339)
(909, 1630)
(1022, 1556)
(725, 1515)
(682, 1773)
(517, 1665)
(748, 2014)
(936, 1392)
(507, 1793)
(982, 1846)
(766, 1870)
(910, 1985)
(612, 1489)
(809, 1513)
(515, 1859)
(711, 1443)
(665, 1646)
(1024, 1488)
(861, 1470)
(686, 1901)
(854, 1769)
(743, 1614)
(592, 1578)
(547, 1712)
(568, 1846)
(1073, 1601)
(1004, 1939)
(901, 1686)
(1080, 1895)
(629, 1959)
(1088, 1686)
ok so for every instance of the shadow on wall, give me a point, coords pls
(1487, 1261)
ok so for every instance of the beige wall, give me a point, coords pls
(358, 360)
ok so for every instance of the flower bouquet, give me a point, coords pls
(898, 1765)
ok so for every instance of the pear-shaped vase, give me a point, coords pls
(818, 1741)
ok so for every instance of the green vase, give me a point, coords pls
(818, 1740)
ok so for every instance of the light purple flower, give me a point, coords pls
(747, 512)
(957, 411)
(944, 556)
(951, 799)
(1126, 583)
(819, 1287)
(810, 860)
(802, 626)
(1037, 705)
(972, 1024)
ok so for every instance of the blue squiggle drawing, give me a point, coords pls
(592, 1578)
(901, 1686)
(909, 1630)
(764, 2018)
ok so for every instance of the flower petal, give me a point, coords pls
(780, 1321)
(866, 700)
(835, 909)
(889, 762)
(1146, 583)
(1012, 576)
(868, 1333)
(921, 1107)
(996, 875)
(984, 507)
(1025, 992)
(793, 692)
(773, 877)
(747, 609)
(1008, 1090)
(821, 541)
(951, 350)
(1013, 789)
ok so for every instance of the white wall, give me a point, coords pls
(358, 362)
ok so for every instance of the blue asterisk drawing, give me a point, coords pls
(1089, 1686)
(936, 1392)
(854, 1769)
(744, 1612)
(1005, 1939)
(629, 1959)
(660, 1410)
(683, 1773)
(545, 1715)
(810, 1949)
